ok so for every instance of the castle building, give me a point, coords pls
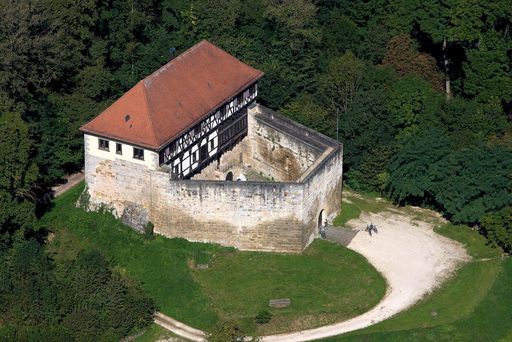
(183, 115)
(167, 149)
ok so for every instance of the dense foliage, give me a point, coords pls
(420, 93)
(82, 300)
(498, 228)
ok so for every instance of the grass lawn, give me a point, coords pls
(476, 304)
(154, 333)
(326, 283)
(349, 211)
(354, 203)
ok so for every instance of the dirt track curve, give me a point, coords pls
(410, 255)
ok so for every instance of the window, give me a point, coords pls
(197, 129)
(203, 152)
(177, 169)
(223, 111)
(212, 145)
(119, 148)
(239, 99)
(103, 144)
(194, 157)
(138, 153)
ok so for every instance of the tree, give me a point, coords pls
(371, 174)
(470, 120)
(488, 70)
(30, 291)
(341, 82)
(473, 181)
(401, 56)
(17, 173)
(411, 100)
(411, 176)
(305, 111)
(297, 17)
(497, 227)
(367, 124)
(35, 50)
(429, 21)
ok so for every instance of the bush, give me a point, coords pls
(263, 317)
(497, 227)
(228, 331)
(148, 231)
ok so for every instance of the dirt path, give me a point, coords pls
(412, 258)
(72, 180)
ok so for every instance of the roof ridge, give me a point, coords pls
(148, 111)
(176, 59)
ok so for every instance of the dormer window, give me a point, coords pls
(138, 153)
(103, 144)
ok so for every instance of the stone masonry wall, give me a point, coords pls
(281, 154)
(234, 160)
(121, 187)
(247, 215)
(322, 191)
(276, 153)
(271, 216)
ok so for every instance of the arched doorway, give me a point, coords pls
(321, 219)
(229, 176)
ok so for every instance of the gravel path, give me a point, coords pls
(71, 181)
(412, 258)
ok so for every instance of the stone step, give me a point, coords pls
(340, 235)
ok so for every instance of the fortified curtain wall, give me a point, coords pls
(272, 216)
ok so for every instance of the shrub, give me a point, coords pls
(497, 227)
(148, 230)
(263, 317)
(228, 331)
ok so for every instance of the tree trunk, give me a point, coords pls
(446, 75)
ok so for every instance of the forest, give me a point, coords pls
(419, 93)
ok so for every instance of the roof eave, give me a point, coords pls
(113, 137)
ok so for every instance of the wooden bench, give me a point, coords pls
(279, 303)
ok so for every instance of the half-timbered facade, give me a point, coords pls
(206, 140)
(187, 113)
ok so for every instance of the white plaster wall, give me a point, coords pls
(91, 148)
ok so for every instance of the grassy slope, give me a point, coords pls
(476, 304)
(327, 283)
(355, 203)
(238, 285)
(160, 264)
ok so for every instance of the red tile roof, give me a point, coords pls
(174, 98)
